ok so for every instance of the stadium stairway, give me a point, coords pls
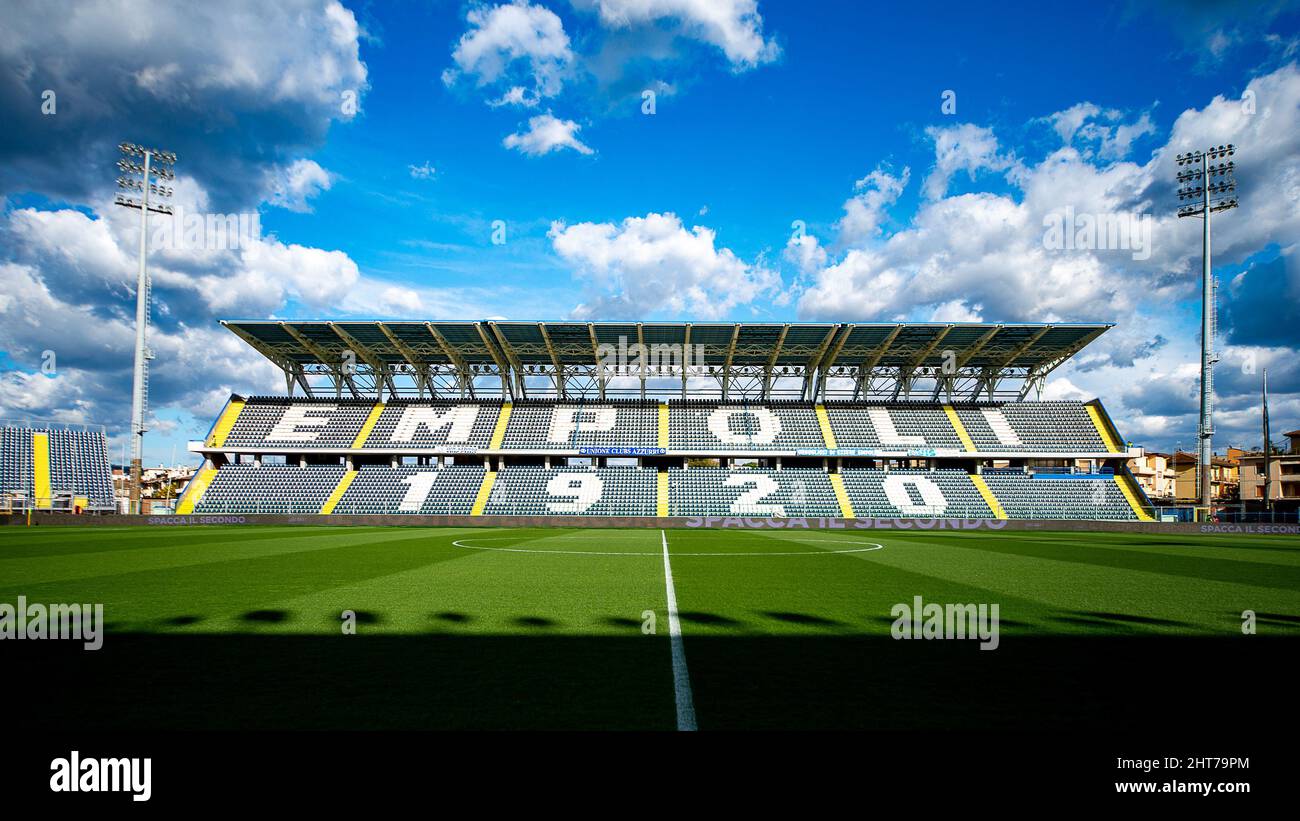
(1135, 495)
(489, 480)
(195, 488)
(368, 426)
(225, 422)
(989, 498)
(957, 426)
(42, 493)
(344, 483)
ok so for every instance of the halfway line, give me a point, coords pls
(681, 677)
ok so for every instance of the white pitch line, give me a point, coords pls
(871, 546)
(681, 676)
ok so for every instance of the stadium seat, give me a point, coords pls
(1031, 426)
(909, 493)
(573, 491)
(896, 428)
(283, 489)
(428, 423)
(542, 425)
(78, 463)
(299, 423)
(693, 427)
(710, 427)
(448, 490)
(1025, 496)
(750, 492)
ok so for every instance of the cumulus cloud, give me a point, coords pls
(513, 42)
(985, 253)
(69, 279)
(1068, 122)
(547, 133)
(654, 263)
(806, 252)
(966, 147)
(1100, 131)
(520, 54)
(234, 89)
(955, 310)
(290, 187)
(864, 212)
(733, 26)
(1263, 305)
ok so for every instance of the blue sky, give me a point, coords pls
(765, 114)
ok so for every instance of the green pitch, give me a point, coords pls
(244, 627)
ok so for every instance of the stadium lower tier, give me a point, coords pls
(642, 492)
(277, 424)
(54, 468)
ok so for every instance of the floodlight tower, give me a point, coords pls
(1206, 184)
(144, 170)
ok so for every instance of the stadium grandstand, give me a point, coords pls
(52, 466)
(482, 418)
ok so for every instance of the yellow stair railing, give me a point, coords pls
(842, 496)
(966, 441)
(824, 421)
(339, 489)
(989, 499)
(484, 493)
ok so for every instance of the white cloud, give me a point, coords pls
(69, 287)
(515, 95)
(1092, 128)
(983, 254)
(292, 186)
(955, 310)
(422, 172)
(188, 77)
(654, 263)
(734, 26)
(988, 248)
(806, 252)
(1068, 122)
(545, 134)
(510, 41)
(966, 147)
(865, 211)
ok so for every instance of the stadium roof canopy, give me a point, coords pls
(731, 360)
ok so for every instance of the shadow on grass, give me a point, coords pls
(696, 617)
(1126, 618)
(1280, 618)
(454, 618)
(534, 621)
(802, 618)
(1122, 683)
(621, 621)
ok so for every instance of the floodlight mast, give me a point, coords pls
(1213, 196)
(156, 164)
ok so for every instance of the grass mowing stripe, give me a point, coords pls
(681, 676)
(125, 561)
